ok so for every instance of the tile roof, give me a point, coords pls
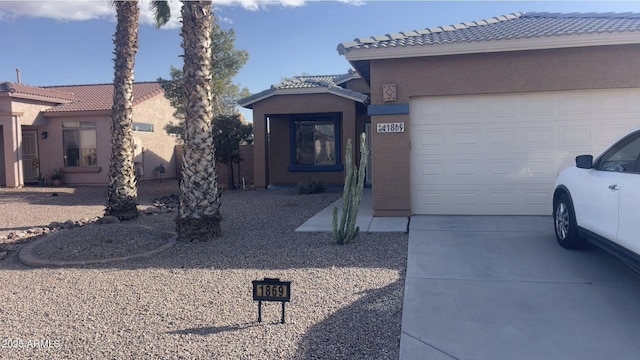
(21, 90)
(512, 26)
(100, 96)
(308, 84)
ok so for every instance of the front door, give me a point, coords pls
(30, 155)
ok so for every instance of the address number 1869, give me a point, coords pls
(390, 127)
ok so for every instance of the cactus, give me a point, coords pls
(346, 230)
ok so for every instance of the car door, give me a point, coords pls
(629, 210)
(598, 204)
(602, 186)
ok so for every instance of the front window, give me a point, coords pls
(79, 143)
(142, 127)
(315, 143)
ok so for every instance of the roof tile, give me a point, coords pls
(510, 26)
(100, 96)
(22, 89)
(320, 83)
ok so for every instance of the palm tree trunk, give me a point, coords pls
(199, 216)
(122, 191)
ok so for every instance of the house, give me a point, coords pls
(303, 127)
(475, 118)
(69, 128)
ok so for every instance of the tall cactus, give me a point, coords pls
(346, 231)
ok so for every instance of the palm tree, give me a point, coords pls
(199, 216)
(122, 190)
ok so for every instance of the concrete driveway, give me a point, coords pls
(500, 287)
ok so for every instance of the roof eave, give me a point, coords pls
(523, 44)
(47, 99)
(51, 114)
(304, 91)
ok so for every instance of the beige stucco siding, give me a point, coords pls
(16, 115)
(52, 154)
(159, 146)
(31, 111)
(510, 72)
(22, 113)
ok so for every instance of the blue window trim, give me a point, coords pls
(335, 117)
(388, 109)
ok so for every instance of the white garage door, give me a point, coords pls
(499, 154)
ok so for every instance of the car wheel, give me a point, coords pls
(564, 220)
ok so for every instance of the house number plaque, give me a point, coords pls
(271, 290)
(390, 127)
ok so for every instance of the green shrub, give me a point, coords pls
(313, 186)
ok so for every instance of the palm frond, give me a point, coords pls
(161, 11)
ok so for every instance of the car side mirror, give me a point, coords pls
(584, 161)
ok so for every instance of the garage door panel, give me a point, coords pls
(501, 137)
(464, 109)
(500, 108)
(537, 137)
(540, 106)
(615, 102)
(490, 200)
(574, 136)
(500, 154)
(459, 169)
(605, 135)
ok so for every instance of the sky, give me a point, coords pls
(71, 42)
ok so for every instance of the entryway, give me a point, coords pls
(30, 166)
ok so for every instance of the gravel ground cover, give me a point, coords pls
(193, 301)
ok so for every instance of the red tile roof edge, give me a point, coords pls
(19, 88)
(97, 97)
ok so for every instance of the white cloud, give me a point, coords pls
(80, 10)
(255, 5)
(59, 10)
(225, 19)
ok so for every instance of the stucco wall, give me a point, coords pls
(52, 155)
(359, 85)
(20, 115)
(509, 72)
(31, 111)
(277, 108)
(158, 145)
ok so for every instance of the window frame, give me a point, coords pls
(143, 127)
(333, 119)
(68, 126)
(615, 149)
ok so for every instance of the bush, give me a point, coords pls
(313, 186)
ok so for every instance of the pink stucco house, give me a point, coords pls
(68, 128)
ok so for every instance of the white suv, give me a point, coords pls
(600, 200)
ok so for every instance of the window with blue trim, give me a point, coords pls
(315, 143)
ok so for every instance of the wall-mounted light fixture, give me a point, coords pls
(44, 135)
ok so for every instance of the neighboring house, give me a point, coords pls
(486, 112)
(69, 128)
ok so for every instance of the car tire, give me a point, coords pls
(564, 221)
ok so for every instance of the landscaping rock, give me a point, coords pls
(109, 220)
